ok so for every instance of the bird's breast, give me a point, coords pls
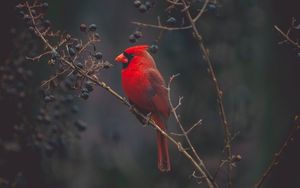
(137, 88)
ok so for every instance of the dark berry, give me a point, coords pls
(49, 150)
(171, 21)
(39, 118)
(49, 98)
(153, 48)
(81, 126)
(20, 6)
(47, 23)
(84, 95)
(71, 51)
(78, 46)
(79, 65)
(142, 8)
(47, 119)
(148, 4)
(45, 5)
(137, 3)
(92, 27)
(83, 27)
(31, 29)
(68, 99)
(297, 27)
(83, 90)
(97, 36)
(75, 109)
(26, 17)
(89, 86)
(33, 12)
(68, 37)
(21, 13)
(132, 38)
(211, 7)
(56, 114)
(98, 55)
(137, 34)
(68, 83)
(54, 55)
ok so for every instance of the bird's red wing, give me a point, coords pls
(159, 99)
(158, 93)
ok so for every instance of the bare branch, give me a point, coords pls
(195, 125)
(161, 26)
(205, 172)
(277, 156)
(287, 37)
(175, 2)
(37, 58)
(53, 78)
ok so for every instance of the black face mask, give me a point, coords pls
(129, 58)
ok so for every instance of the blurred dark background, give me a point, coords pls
(260, 80)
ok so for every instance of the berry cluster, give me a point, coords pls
(73, 61)
(135, 36)
(143, 7)
(34, 18)
(211, 6)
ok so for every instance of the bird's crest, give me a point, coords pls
(136, 49)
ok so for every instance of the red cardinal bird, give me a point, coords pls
(145, 88)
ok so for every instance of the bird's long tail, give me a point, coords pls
(162, 146)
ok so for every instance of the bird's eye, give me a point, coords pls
(128, 56)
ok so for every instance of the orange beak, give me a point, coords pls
(121, 59)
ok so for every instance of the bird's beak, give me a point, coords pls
(121, 59)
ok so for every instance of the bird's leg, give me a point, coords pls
(131, 108)
(144, 121)
(148, 118)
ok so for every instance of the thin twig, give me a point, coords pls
(276, 158)
(174, 2)
(195, 125)
(205, 173)
(161, 26)
(84, 47)
(287, 37)
(46, 82)
(201, 11)
(37, 58)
